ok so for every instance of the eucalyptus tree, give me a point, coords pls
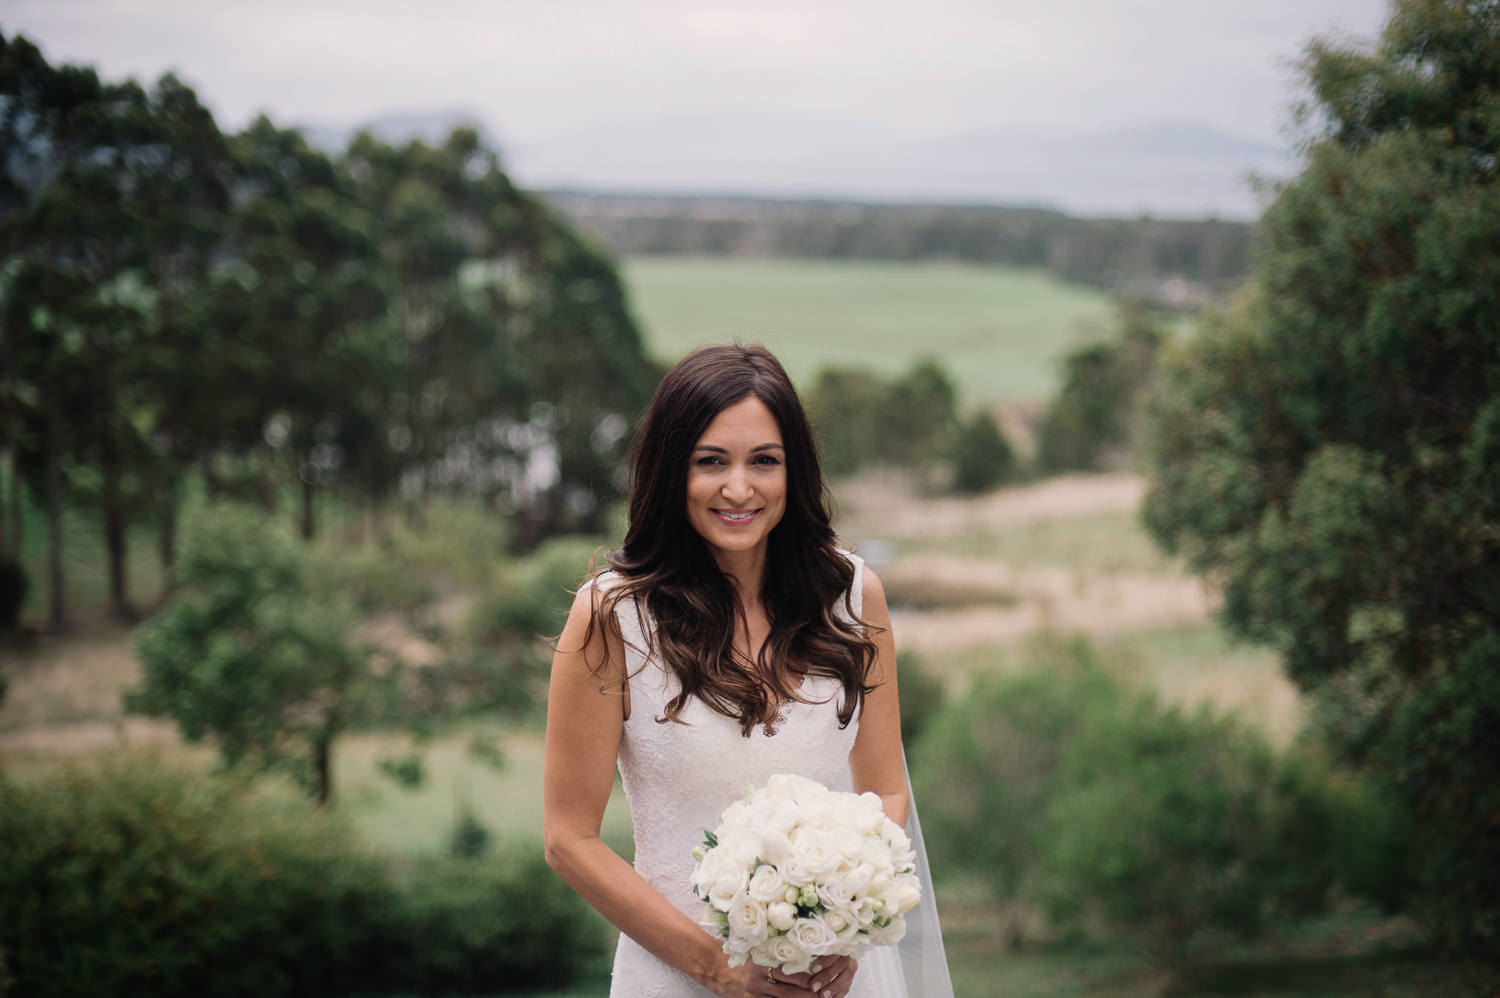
(299, 297)
(520, 366)
(1330, 452)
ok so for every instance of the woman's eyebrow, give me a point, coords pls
(754, 450)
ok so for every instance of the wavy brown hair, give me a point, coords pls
(669, 572)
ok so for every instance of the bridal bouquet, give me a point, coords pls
(796, 871)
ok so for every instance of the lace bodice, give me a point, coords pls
(679, 778)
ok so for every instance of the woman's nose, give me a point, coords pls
(737, 486)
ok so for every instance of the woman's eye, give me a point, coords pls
(767, 459)
(707, 461)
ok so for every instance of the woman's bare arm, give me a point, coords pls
(585, 720)
(876, 760)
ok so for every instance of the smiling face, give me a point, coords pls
(736, 482)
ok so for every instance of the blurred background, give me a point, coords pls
(1154, 351)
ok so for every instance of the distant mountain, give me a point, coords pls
(1172, 169)
(400, 127)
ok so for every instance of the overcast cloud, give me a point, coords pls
(542, 74)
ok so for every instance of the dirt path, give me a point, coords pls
(876, 507)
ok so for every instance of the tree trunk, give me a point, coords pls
(7, 472)
(15, 501)
(167, 540)
(322, 766)
(309, 507)
(55, 611)
(114, 529)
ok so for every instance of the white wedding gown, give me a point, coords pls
(679, 778)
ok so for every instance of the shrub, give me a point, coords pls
(1172, 828)
(844, 406)
(984, 766)
(982, 458)
(1095, 412)
(922, 694)
(1066, 791)
(505, 924)
(134, 877)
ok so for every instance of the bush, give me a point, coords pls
(12, 593)
(133, 877)
(922, 694)
(984, 767)
(982, 458)
(1096, 411)
(844, 406)
(1069, 793)
(1174, 828)
(501, 925)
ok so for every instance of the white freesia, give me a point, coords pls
(796, 871)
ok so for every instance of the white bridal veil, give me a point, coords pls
(916, 967)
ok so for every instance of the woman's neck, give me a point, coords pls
(747, 574)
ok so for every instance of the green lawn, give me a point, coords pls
(999, 332)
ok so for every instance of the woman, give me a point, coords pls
(730, 640)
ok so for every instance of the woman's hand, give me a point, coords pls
(831, 977)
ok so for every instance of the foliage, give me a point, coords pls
(995, 753)
(1174, 828)
(248, 653)
(982, 457)
(922, 695)
(843, 406)
(917, 416)
(390, 322)
(1109, 253)
(1328, 450)
(910, 421)
(135, 877)
(1093, 418)
(502, 924)
(1066, 791)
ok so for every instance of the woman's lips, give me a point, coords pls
(736, 517)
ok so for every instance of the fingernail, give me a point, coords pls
(817, 968)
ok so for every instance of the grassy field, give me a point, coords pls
(999, 332)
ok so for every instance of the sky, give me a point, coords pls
(975, 100)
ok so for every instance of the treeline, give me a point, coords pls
(390, 322)
(1176, 262)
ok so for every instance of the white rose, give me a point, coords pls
(866, 813)
(781, 951)
(766, 884)
(857, 880)
(781, 915)
(844, 927)
(719, 878)
(849, 843)
(736, 815)
(903, 895)
(813, 850)
(876, 853)
(773, 813)
(747, 921)
(834, 892)
(741, 843)
(812, 934)
(798, 788)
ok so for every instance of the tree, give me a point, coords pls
(982, 457)
(1094, 417)
(1329, 451)
(250, 653)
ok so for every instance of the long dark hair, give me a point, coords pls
(667, 569)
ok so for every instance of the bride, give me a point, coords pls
(728, 640)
